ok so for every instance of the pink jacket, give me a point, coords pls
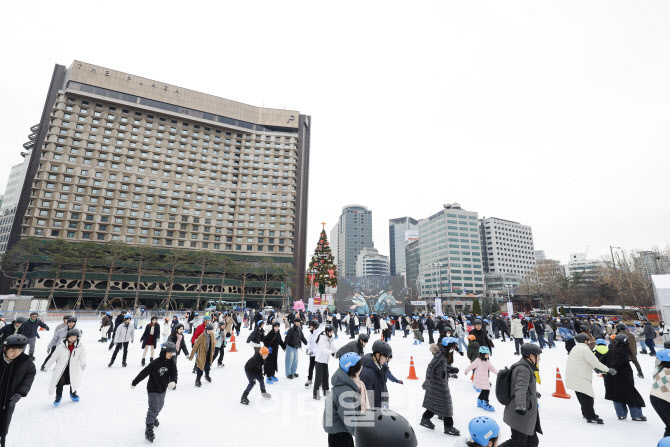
(481, 380)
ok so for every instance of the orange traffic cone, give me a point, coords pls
(232, 340)
(560, 388)
(412, 372)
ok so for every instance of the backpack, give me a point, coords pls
(504, 386)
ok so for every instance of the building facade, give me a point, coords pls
(17, 176)
(507, 247)
(580, 264)
(371, 263)
(450, 253)
(400, 230)
(540, 255)
(354, 233)
(412, 261)
(653, 263)
(120, 157)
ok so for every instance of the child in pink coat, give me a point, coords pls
(482, 366)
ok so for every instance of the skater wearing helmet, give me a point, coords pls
(70, 359)
(480, 334)
(59, 335)
(325, 348)
(221, 344)
(482, 366)
(473, 348)
(373, 374)
(579, 375)
(150, 338)
(311, 350)
(124, 334)
(11, 329)
(345, 402)
(30, 329)
(20, 372)
(384, 428)
(254, 371)
(204, 348)
(437, 400)
(273, 341)
(162, 374)
(357, 346)
(483, 431)
(660, 394)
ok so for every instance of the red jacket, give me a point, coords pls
(199, 330)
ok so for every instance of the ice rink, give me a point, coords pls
(111, 414)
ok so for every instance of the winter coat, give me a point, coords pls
(621, 386)
(632, 345)
(196, 333)
(659, 386)
(481, 379)
(156, 332)
(229, 324)
(106, 321)
(648, 332)
(30, 328)
(181, 346)
(200, 347)
(8, 330)
(524, 395)
(473, 350)
(566, 333)
(124, 333)
(516, 329)
(75, 361)
(438, 397)
(579, 369)
(430, 324)
(597, 331)
(374, 378)
(481, 336)
(167, 329)
(336, 415)
(255, 364)
(352, 346)
(59, 335)
(21, 375)
(160, 371)
(325, 348)
(256, 337)
(294, 337)
(311, 344)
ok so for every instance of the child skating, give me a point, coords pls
(254, 371)
(70, 360)
(482, 366)
(162, 374)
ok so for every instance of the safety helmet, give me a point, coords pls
(581, 338)
(348, 360)
(209, 327)
(483, 429)
(471, 337)
(264, 351)
(16, 340)
(127, 317)
(663, 355)
(528, 349)
(382, 348)
(168, 346)
(388, 428)
(600, 341)
(665, 442)
(484, 350)
(72, 320)
(72, 332)
(364, 337)
(621, 339)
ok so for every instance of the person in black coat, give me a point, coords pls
(30, 329)
(502, 325)
(150, 338)
(256, 336)
(356, 346)
(254, 371)
(273, 341)
(11, 329)
(373, 373)
(620, 388)
(430, 326)
(480, 335)
(17, 372)
(177, 337)
(294, 340)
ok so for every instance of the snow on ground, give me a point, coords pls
(111, 414)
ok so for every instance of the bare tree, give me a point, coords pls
(203, 259)
(170, 263)
(60, 255)
(19, 258)
(87, 252)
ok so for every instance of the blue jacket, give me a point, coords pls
(566, 334)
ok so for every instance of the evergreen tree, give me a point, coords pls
(554, 312)
(476, 308)
(321, 271)
(562, 310)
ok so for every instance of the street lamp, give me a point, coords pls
(612, 253)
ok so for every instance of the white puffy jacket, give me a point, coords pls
(311, 343)
(579, 370)
(124, 333)
(325, 347)
(76, 359)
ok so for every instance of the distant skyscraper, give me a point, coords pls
(412, 261)
(653, 263)
(17, 176)
(335, 243)
(400, 230)
(540, 255)
(579, 264)
(353, 233)
(450, 251)
(507, 247)
(371, 263)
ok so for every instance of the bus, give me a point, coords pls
(610, 311)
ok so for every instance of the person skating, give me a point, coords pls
(254, 372)
(660, 393)
(482, 366)
(104, 327)
(516, 332)
(418, 332)
(117, 323)
(177, 337)
(437, 399)
(150, 338)
(59, 335)
(162, 374)
(200, 329)
(311, 350)
(357, 346)
(345, 402)
(620, 388)
(567, 334)
(473, 348)
(621, 328)
(522, 412)
(19, 371)
(220, 348)
(479, 331)
(30, 329)
(70, 359)
(483, 431)
(293, 342)
(257, 335)
(125, 334)
(579, 376)
(166, 329)
(649, 334)
(204, 349)
(325, 348)
(273, 341)
(373, 373)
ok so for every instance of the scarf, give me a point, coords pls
(365, 404)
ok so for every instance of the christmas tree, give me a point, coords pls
(321, 272)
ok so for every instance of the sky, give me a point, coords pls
(552, 114)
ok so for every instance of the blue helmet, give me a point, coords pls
(106, 313)
(468, 322)
(449, 340)
(483, 429)
(600, 341)
(485, 320)
(665, 442)
(663, 355)
(348, 360)
(484, 350)
(127, 317)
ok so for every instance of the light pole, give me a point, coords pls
(439, 266)
(612, 253)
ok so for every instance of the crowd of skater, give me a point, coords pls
(357, 390)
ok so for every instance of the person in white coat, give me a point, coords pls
(314, 332)
(166, 330)
(325, 348)
(125, 333)
(579, 376)
(70, 360)
(516, 332)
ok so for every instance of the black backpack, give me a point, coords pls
(504, 386)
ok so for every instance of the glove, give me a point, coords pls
(538, 394)
(270, 349)
(132, 387)
(520, 411)
(14, 399)
(400, 382)
(333, 354)
(598, 371)
(171, 385)
(461, 353)
(612, 371)
(455, 370)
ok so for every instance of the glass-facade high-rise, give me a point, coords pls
(400, 230)
(354, 233)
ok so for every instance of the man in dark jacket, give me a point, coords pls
(29, 329)
(502, 325)
(356, 346)
(539, 330)
(162, 374)
(430, 326)
(649, 335)
(373, 374)
(621, 328)
(11, 329)
(17, 373)
(522, 413)
(294, 338)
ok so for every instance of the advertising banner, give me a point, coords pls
(438, 307)
(369, 294)
(510, 308)
(417, 303)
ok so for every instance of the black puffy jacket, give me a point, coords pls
(255, 364)
(294, 337)
(30, 328)
(374, 378)
(20, 380)
(160, 371)
(352, 346)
